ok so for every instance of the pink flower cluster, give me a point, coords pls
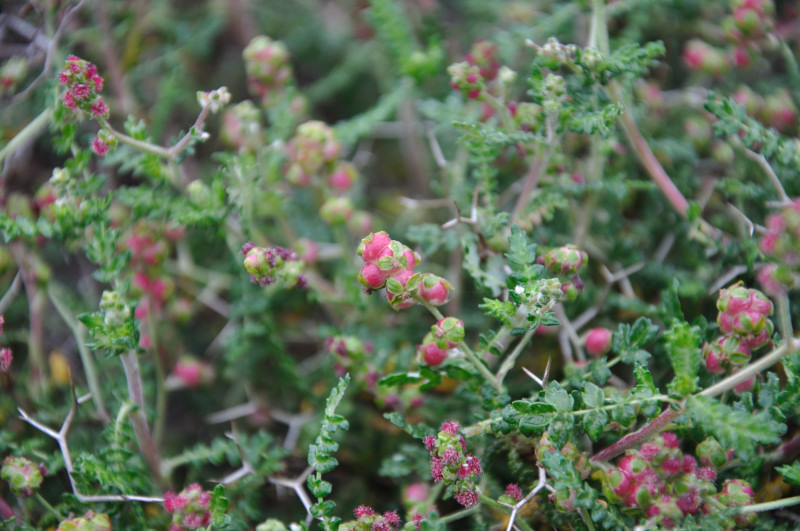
(391, 264)
(91, 521)
(313, 149)
(268, 264)
(781, 244)
(189, 508)
(368, 520)
(745, 29)
(472, 76)
(451, 463)
(83, 86)
(447, 333)
(268, 67)
(744, 322)
(669, 485)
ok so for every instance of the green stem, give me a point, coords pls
(471, 356)
(458, 515)
(486, 500)
(47, 506)
(87, 360)
(27, 134)
(146, 147)
(161, 387)
(511, 359)
(130, 364)
(498, 337)
(769, 506)
(598, 35)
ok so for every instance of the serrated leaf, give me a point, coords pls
(533, 408)
(559, 397)
(734, 428)
(400, 378)
(592, 395)
(791, 473)
(682, 343)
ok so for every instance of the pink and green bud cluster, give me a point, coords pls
(192, 372)
(368, 520)
(752, 19)
(22, 475)
(711, 453)
(268, 264)
(598, 341)
(667, 485)
(467, 78)
(342, 177)
(564, 260)
(189, 508)
(444, 335)
(744, 313)
(451, 464)
(738, 493)
(268, 68)
(389, 264)
(725, 354)
(313, 147)
(82, 86)
(241, 127)
(337, 210)
(701, 56)
(12, 72)
(91, 521)
(350, 353)
(781, 244)
(484, 55)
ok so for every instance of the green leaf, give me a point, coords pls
(520, 254)
(527, 407)
(734, 428)
(628, 341)
(218, 506)
(791, 473)
(559, 397)
(318, 487)
(593, 396)
(682, 343)
(418, 431)
(400, 378)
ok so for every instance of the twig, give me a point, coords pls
(60, 437)
(762, 161)
(296, 484)
(49, 53)
(11, 292)
(246, 467)
(130, 364)
(79, 331)
(520, 504)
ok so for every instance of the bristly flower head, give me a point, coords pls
(189, 508)
(268, 264)
(82, 86)
(91, 521)
(23, 476)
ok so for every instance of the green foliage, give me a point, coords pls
(734, 428)
(682, 343)
(628, 341)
